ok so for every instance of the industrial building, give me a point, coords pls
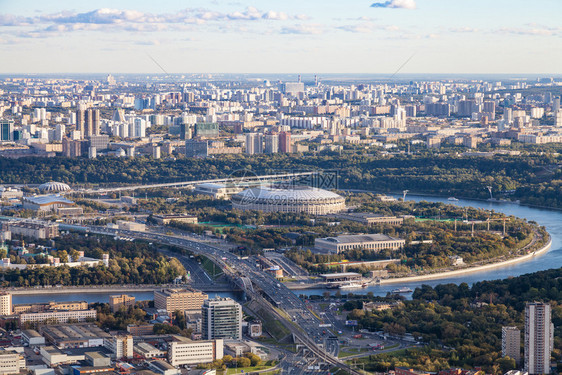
(74, 335)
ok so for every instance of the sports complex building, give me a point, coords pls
(305, 199)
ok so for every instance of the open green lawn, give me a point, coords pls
(346, 352)
(246, 370)
(212, 270)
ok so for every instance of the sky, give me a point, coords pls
(287, 36)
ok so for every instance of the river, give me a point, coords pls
(550, 219)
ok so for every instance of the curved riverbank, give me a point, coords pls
(486, 267)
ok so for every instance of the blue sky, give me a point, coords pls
(290, 36)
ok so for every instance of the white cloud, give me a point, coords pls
(112, 20)
(303, 29)
(399, 4)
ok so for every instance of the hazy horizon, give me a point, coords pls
(511, 37)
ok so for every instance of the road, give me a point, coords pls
(268, 292)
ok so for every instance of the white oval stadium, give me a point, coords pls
(306, 199)
(54, 187)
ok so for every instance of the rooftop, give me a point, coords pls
(354, 238)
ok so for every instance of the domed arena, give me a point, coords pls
(53, 187)
(305, 199)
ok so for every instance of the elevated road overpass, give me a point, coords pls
(243, 180)
(264, 289)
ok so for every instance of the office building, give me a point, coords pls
(179, 299)
(221, 319)
(6, 130)
(207, 130)
(511, 343)
(5, 304)
(183, 351)
(123, 300)
(539, 338)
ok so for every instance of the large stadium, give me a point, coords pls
(305, 199)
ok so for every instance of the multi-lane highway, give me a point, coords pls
(267, 291)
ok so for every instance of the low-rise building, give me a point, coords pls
(370, 219)
(164, 368)
(74, 335)
(32, 338)
(32, 228)
(123, 300)
(167, 219)
(50, 306)
(183, 351)
(11, 362)
(131, 225)
(374, 242)
(59, 316)
(183, 299)
(147, 351)
(141, 329)
(46, 203)
(255, 329)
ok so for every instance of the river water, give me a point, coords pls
(551, 219)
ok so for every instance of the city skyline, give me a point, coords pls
(376, 37)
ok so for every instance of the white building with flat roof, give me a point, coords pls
(183, 351)
(374, 242)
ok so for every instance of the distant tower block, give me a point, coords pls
(105, 258)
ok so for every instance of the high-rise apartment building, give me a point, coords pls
(511, 343)
(88, 122)
(285, 142)
(254, 143)
(179, 299)
(271, 144)
(5, 304)
(538, 338)
(221, 319)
